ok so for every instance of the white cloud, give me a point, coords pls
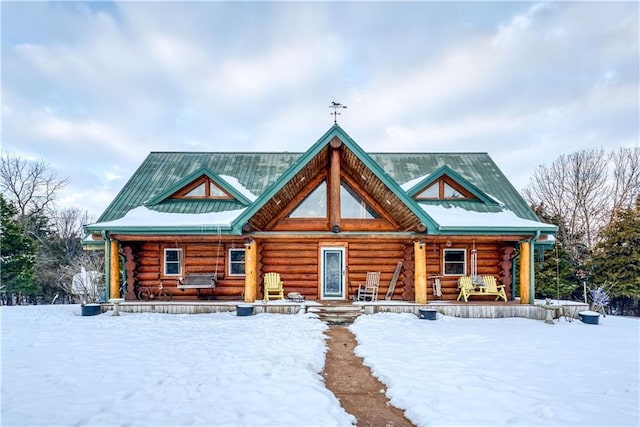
(95, 87)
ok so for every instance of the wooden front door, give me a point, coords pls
(332, 271)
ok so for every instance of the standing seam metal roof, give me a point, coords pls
(258, 170)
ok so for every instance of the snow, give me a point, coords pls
(410, 184)
(460, 217)
(145, 217)
(59, 368)
(233, 181)
(513, 371)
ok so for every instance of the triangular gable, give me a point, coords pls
(311, 154)
(188, 180)
(446, 171)
(350, 202)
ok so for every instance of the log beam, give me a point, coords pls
(114, 270)
(250, 271)
(525, 272)
(334, 190)
(420, 272)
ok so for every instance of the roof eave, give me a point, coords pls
(495, 230)
(164, 230)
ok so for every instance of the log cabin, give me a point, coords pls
(321, 219)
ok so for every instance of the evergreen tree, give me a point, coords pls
(556, 270)
(616, 260)
(18, 255)
(50, 254)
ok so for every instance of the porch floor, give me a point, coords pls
(471, 309)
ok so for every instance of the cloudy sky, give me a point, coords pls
(92, 88)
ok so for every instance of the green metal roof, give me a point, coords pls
(163, 170)
(262, 173)
(477, 168)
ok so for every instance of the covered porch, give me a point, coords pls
(471, 309)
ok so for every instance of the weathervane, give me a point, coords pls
(335, 114)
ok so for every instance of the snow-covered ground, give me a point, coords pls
(492, 372)
(59, 368)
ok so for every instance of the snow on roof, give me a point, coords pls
(459, 217)
(143, 216)
(409, 184)
(232, 181)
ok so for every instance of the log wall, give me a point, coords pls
(491, 261)
(297, 261)
(198, 257)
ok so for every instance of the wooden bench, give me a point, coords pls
(489, 286)
(198, 281)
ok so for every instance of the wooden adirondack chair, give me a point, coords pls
(466, 287)
(368, 291)
(273, 286)
(492, 288)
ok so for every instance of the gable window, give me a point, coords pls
(455, 262)
(202, 188)
(352, 205)
(172, 262)
(236, 262)
(444, 188)
(314, 205)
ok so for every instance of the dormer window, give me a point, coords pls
(202, 188)
(444, 188)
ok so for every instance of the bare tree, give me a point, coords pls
(30, 185)
(574, 189)
(67, 224)
(626, 177)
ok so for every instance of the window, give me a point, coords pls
(173, 262)
(236, 262)
(314, 205)
(455, 262)
(352, 205)
(444, 188)
(202, 188)
(450, 193)
(431, 192)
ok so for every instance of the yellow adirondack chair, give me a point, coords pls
(466, 287)
(492, 288)
(368, 291)
(273, 286)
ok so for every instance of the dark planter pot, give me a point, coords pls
(244, 310)
(590, 317)
(427, 314)
(90, 309)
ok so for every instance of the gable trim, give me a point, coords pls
(335, 132)
(443, 171)
(194, 176)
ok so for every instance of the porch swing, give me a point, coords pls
(475, 284)
(199, 281)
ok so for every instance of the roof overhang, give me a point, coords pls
(143, 220)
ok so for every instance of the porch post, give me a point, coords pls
(250, 270)
(420, 272)
(114, 270)
(525, 277)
